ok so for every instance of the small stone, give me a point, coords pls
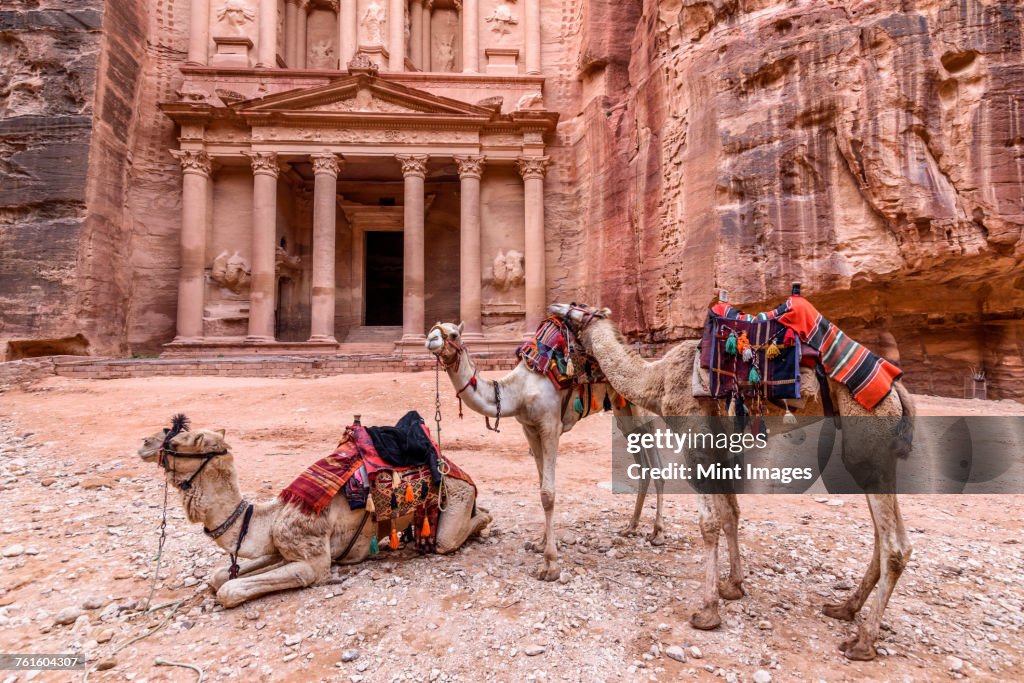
(252, 615)
(762, 676)
(695, 652)
(13, 550)
(105, 664)
(292, 640)
(81, 624)
(956, 665)
(103, 635)
(68, 615)
(764, 625)
(534, 650)
(289, 657)
(48, 481)
(94, 602)
(350, 655)
(675, 652)
(564, 577)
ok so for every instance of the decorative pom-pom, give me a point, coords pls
(570, 369)
(424, 489)
(730, 407)
(748, 355)
(607, 403)
(370, 507)
(394, 502)
(789, 418)
(772, 352)
(425, 531)
(394, 538)
(409, 495)
(743, 343)
(730, 344)
(577, 405)
(755, 376)
(789, 338)
(374, 546)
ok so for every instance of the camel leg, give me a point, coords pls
(537, 451)
(548, 442)
(847, 610)
(657, 537)
(641, 495)
(298, 574)
(894, 552)
(729, 510)
(457, 523)
(707, 617)
(220, 577)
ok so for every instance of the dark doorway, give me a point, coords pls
(384, 259)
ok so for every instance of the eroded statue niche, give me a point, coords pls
(374, 21)
(231, 272)
(502, 20)
(235, 14)
(321, 55)
(509, 270)
(286, 264)
(446, 52)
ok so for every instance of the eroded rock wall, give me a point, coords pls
(872, 150)
(68, 72)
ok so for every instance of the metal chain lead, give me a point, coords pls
(159, 550)
(442, 465)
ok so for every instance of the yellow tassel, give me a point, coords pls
(425, 531)
(409, 496)
(370, 507)
(394, 538)
(772, 352)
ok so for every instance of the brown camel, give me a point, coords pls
(664, 387)
(287, 548)
(545, 413)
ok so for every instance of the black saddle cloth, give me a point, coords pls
(406, 444)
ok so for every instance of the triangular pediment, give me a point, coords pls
(361, 95)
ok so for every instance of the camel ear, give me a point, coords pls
(461, 325)
(220, 431)
(606, 312)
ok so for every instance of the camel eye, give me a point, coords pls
(453, 335)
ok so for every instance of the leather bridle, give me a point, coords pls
(589, 314)
(448, 343)
(455, 364)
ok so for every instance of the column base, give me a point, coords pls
(187, 340)
(257, 339)
(413, 338)
(323, 339)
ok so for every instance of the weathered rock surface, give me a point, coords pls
(871, 150)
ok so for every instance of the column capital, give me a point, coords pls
(413, 164)
(470, 166)
(264, 163)
(194, 161)
(326, 162)
(532, 167)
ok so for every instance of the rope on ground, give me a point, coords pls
(160, 661)
(166, 620)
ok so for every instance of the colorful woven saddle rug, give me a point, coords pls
(356, 470)
(774, 367)
(554, 351)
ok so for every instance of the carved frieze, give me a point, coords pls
(363, 135)
(364, 101)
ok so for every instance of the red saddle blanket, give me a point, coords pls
(549, 352)
(314, 489)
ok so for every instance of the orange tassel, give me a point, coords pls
(394, 538)
(743, 343)
(593, 404)
(409, 497)
(425, 531)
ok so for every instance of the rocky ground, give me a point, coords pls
(79, 531)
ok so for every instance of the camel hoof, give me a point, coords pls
(534, 546)
(839, 610)
(628, 531)
(219, 578)
(706, 619)
(548, 572)
(729, 590)
(657, 538)
(228, 597)
(858, 650)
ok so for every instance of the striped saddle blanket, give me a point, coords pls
(868, 376)
(554, 352)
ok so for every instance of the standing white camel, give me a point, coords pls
(664, 387)
(545, 413)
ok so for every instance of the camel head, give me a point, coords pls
(151, 445)
(578, 316)
(445, 341)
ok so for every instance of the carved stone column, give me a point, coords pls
(533, 169)
(264, 242)
(199, 32)
(414, 170)
(302, 17)
(196, 169)
(470, 36)
(470, 170)
(348, 32)
(425, 54)
(533, 36)
(266, 54)
(416, 33)
(291, 26)
(325, 174)
(396, 35)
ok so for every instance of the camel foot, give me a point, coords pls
(228, 597)
(859, 648)
(706, 619)
(630, 530)
(839, 610)
(548, 571)
(657, 537)
(219, 578)
(730, 590)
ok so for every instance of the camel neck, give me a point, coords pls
(213, 498)
(625, 369)
(481, 398)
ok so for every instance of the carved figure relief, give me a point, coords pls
(531, 100)
(235, 14)
(284, 263)
(321, 55)
(502, 19)
(509, 270)
(230, 272)
(446, 52)
(373, 23)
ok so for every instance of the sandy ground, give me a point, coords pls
(79, 528)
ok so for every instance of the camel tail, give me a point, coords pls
(903, 441)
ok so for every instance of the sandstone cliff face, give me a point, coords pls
(68, 71)
(872, 150)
